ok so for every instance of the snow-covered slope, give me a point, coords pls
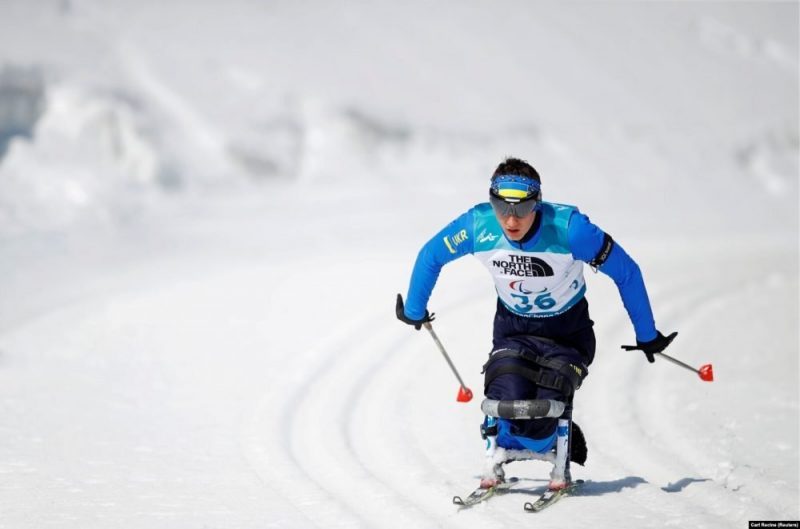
(201, 244)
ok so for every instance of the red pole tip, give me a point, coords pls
(707, 373)
(464, 394)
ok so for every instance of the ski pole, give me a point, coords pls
(706, 372)
(464, 393)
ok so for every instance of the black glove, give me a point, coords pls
(656, 345)
(401, 315)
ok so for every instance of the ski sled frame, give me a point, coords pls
(560, 477)
(529, 409)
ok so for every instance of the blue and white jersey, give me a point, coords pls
(538, 278)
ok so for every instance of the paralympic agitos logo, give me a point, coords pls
(517, 285)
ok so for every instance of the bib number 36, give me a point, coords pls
(543, 301)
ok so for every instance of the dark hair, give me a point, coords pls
(517, 167)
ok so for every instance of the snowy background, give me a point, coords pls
(207, 208)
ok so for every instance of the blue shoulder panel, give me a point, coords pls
(455, 240)
(585, 240)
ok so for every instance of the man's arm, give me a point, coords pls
(454, 241)
(588, 243)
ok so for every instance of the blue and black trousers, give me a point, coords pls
(538, 358)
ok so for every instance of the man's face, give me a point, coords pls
(515, 228)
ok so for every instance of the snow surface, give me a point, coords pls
(201, 244)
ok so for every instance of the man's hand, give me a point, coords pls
(656, 345)
(401, 315)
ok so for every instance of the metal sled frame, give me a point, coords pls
(497, 456)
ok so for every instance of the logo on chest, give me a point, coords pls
(523, 266)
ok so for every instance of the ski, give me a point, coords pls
(551, 496)
(478, 495)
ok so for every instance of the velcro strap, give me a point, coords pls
(516, 353)
(553, 376)
(545, 379)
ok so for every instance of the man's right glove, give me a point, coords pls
(656, 345)
(401, 315)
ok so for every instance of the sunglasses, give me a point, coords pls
(517, 209)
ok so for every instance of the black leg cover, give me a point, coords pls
(577, 448)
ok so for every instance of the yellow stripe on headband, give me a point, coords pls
(512, 193)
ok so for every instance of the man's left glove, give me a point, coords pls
(401, 315)
(656, 345)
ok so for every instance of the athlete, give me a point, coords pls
(543, 341)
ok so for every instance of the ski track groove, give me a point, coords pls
(427, 506)
(656, 462)
(619, 445)
(277, 461)
(370, 391)
(356, 400)
(365, 357)
(354, 481)
(722, 503)
(679, 447)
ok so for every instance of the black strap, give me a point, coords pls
(542, 378)
(545, 372)
(549, 363)
(602, 255)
